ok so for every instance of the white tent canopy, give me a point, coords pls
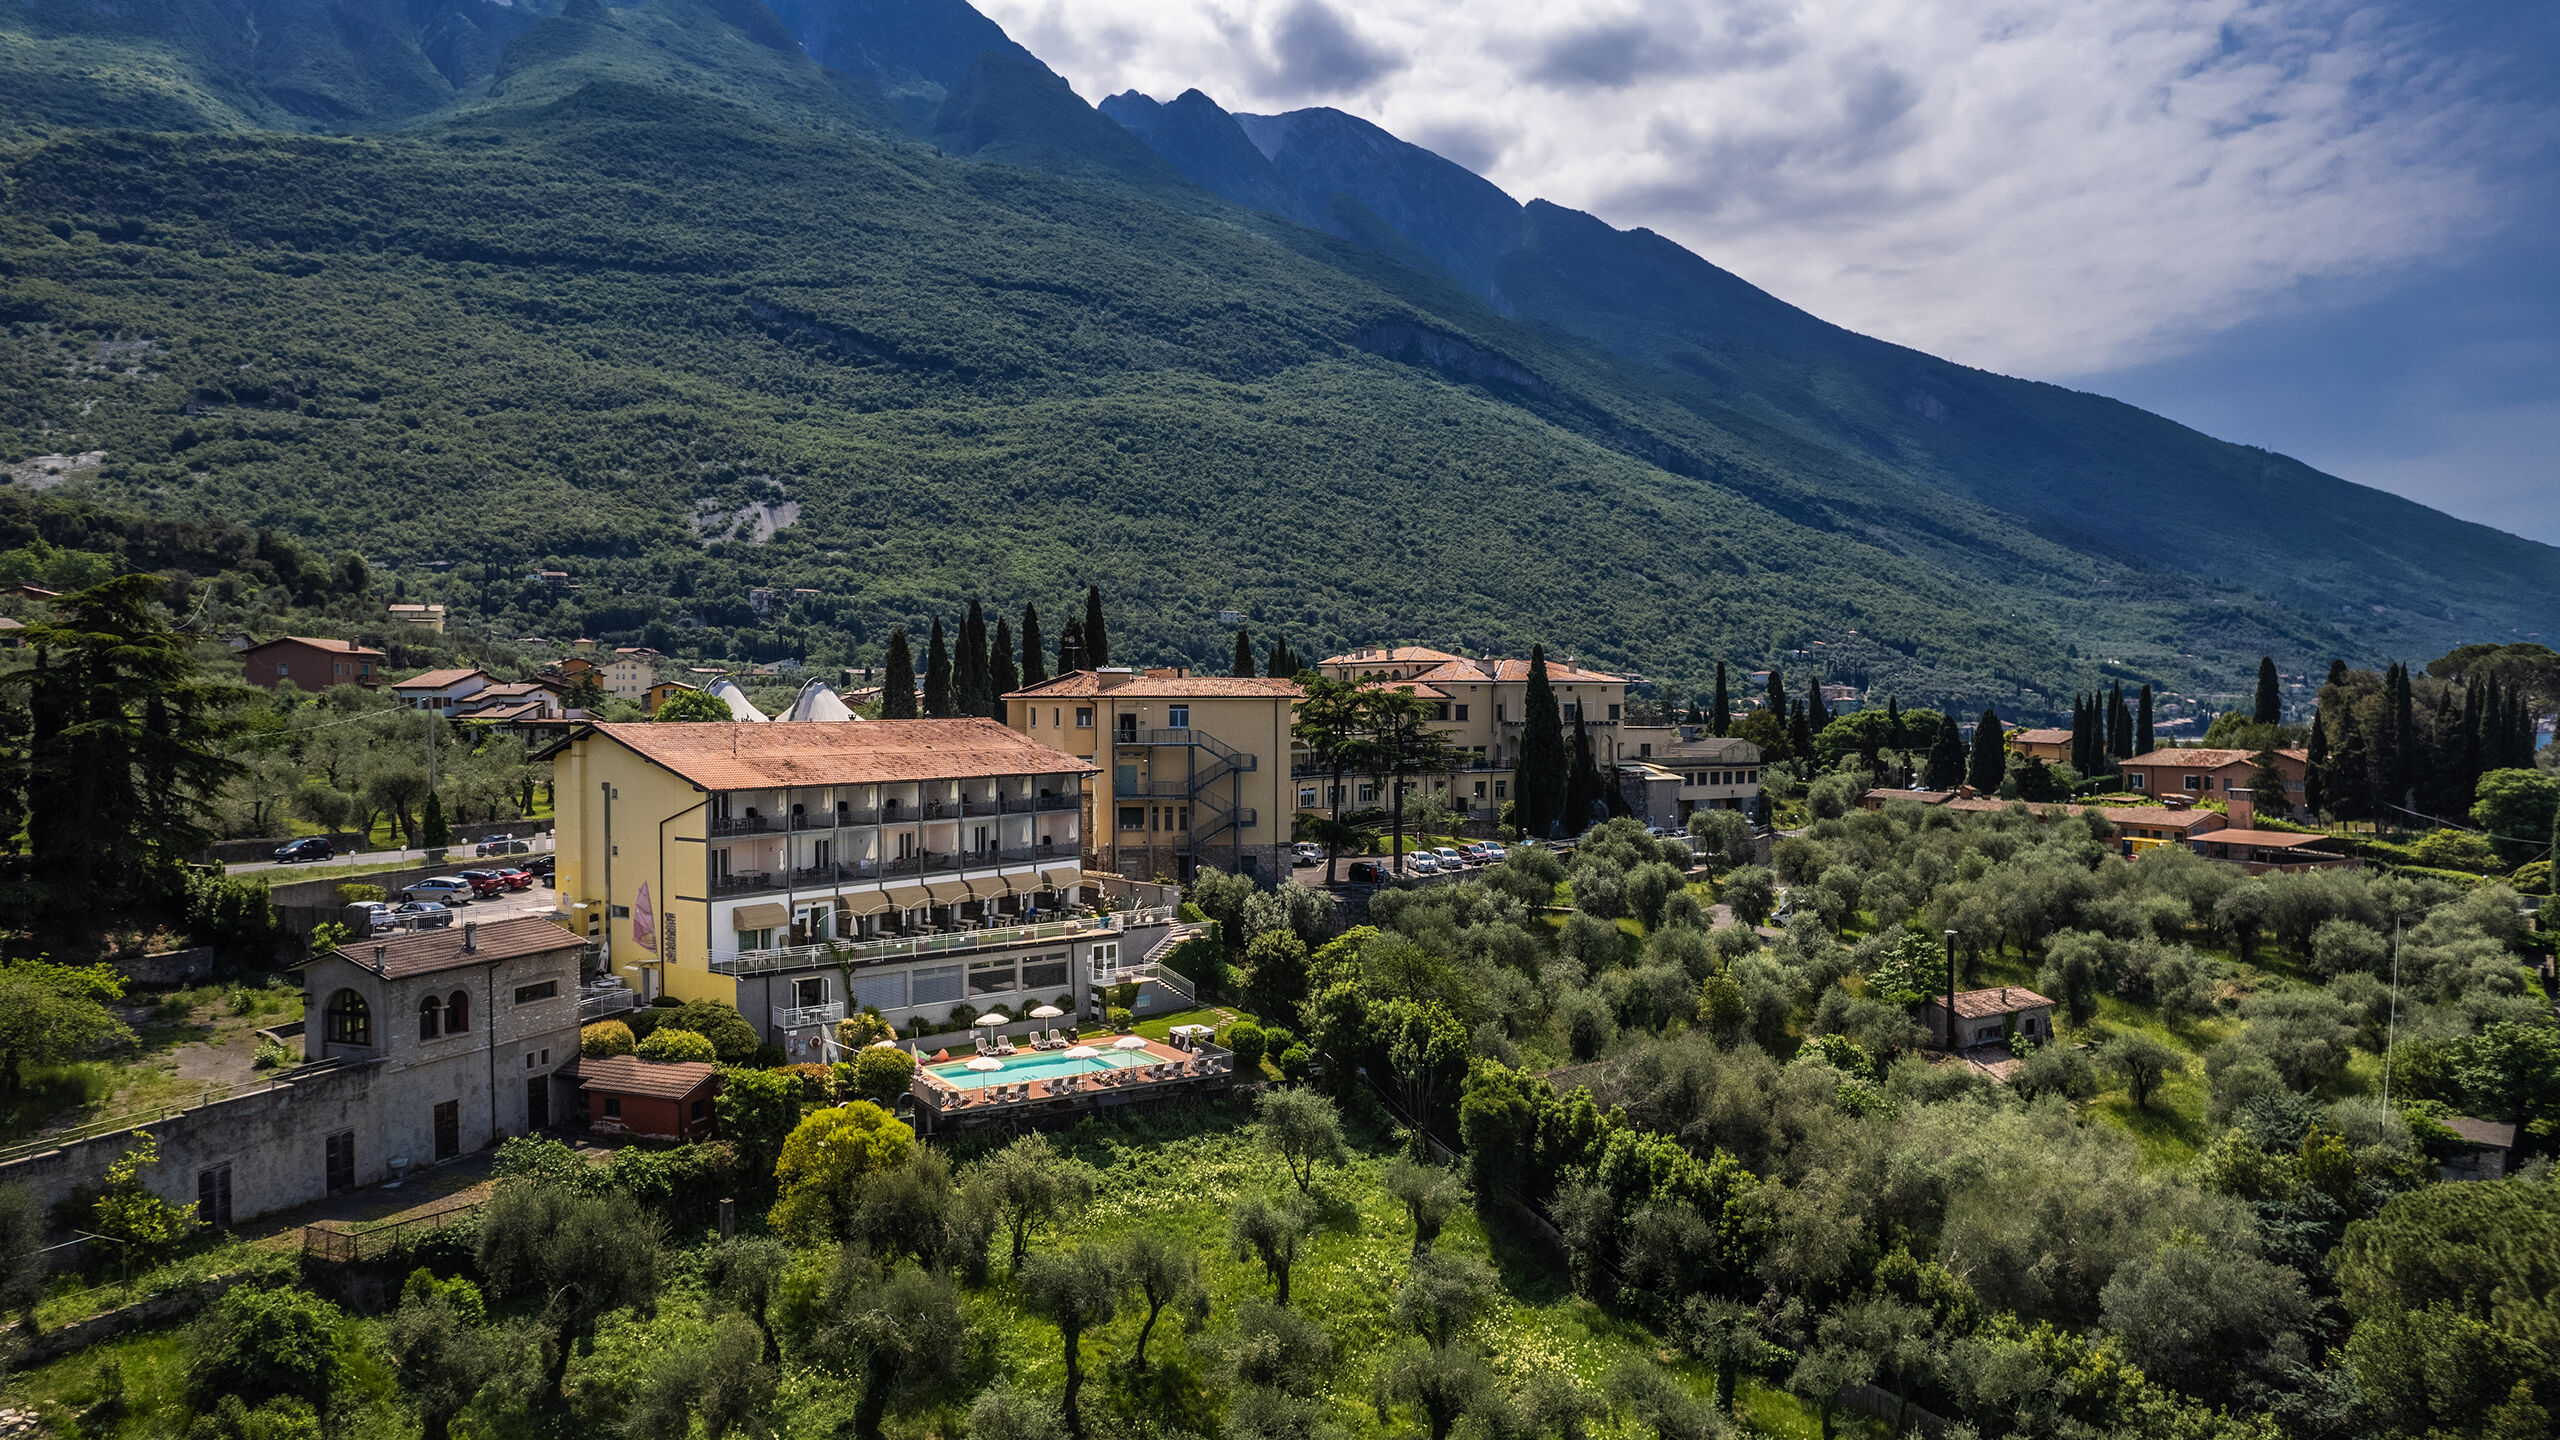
(727, 693)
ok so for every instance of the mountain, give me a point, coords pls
(699, 298)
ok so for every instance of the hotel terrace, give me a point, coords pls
(795, 869)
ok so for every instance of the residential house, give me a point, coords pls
(926, 862)
(652, 1099)
(475, 1020)
(426, 617)
(656, 695)
(443, 691)
(2485, 1152)
(2146, 827)
(311, 663)
(1988, 1017)
(1708, 772)
(1478, 705)
(2052, 746)
(630, 673)
(2201, 774)
(1197, 776)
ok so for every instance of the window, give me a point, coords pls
(699, 1110)
(1440, 710)
(1645, 750)
(1084, 717)
(1501, 789)
(613, 1107)
(340, 1150)
(1613, 711)
(430, 1014)
(1479, 790)
(348, 1020)
(808, 991)
(2195, 783)
(755, 939)
(527, 994)
(1569, 711)
(1049, 972)
(880, 992)
(457, 1013)
(1177, 717)
(1462, 712)
(1306, 797)
(283, 668)
(448, 1129)
(1133, 817)
(1498, 708)
(939, 985)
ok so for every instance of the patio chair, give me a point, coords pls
(1004, 1045)
(1056, 1042)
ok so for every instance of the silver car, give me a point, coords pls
(444, 889)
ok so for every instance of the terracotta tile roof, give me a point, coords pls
(2039, 737)
(2199, 758)
(655, 1079)
(1921, 797)
(742, 755)
(424, 952)
(2263, 839)
(1392, 655)
(1558, 673)
(434, 679)
(340, 647)
(1079, 683)
(1988, 1004)
(2161, 817)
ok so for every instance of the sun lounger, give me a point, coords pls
(1004, 1045)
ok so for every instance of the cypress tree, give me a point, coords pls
(898, 679)
(1945, 770)
(1800, 736)
(2337, 672)
(938, 699)
(1244, 666)
(1778, 694)
(2315, 774)
(1585, 798)
(2080, 735)
(1035, 661)
(1897, 736)
(1990, 756)
(2553, 883)
(2349, 785)
(1071, 648)
(1097, 640)
(2142, 739)
(1002, 679)
(1817, 710)
(2119, 723)
(1541, 770)
(1283, 662)
(969, 670)
(2390, 767)
(2270, 710)
(1720, 719)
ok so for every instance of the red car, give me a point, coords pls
(485, 883)
(517, 879)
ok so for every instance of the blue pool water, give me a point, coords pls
(1037, 1065)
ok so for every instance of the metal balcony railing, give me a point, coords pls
(801, 1017)
(742, 825)
(838, 953)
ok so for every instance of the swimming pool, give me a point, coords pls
(1038, 1065)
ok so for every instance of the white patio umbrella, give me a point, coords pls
(1047, 1012)
(989, 1022)
(884, 1044)
(984, 1062)
(1130, 1042)
(1083, 1052)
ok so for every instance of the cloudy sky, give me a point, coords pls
(2328, 228)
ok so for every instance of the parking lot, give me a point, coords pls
(540, 900)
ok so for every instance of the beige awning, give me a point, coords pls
(990, 887)
(867, 902)
(1065, 877)
(906, 897)
(760, 917)
(947, 892)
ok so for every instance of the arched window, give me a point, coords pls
(348, 1020)
(457, 1013)
(428, 1012)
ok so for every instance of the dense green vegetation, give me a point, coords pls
(662, 286)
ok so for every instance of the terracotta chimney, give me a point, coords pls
(2241, 808)
(470, 937)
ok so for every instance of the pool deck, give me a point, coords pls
(1163, 1072)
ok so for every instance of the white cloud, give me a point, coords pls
(2049, 187)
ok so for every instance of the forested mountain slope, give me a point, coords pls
(649, 268)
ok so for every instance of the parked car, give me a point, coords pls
(1421, 862)
(503, 846)
(1368, 872)
(1450, 858)
(421, 915)
(1487, 852)
(539, 867)
(1307, 853)
(309, 847)
(443, 889)
(516, 879)
(485, 883)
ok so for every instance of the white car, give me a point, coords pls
(444, 889)
(1307, 853)
(1421, 862)
(1449, 858)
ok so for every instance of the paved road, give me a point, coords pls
(461, 855)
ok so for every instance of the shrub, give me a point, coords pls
(756, 1109)
(2455, 850)
(358, 893)
(857, 1030)
(882, 1075)
(1246, 1039)
(732, 1038)
(1119, 1017)
(817, 1082)
(605, 1038)
(259, 1344)
(669, 1043)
